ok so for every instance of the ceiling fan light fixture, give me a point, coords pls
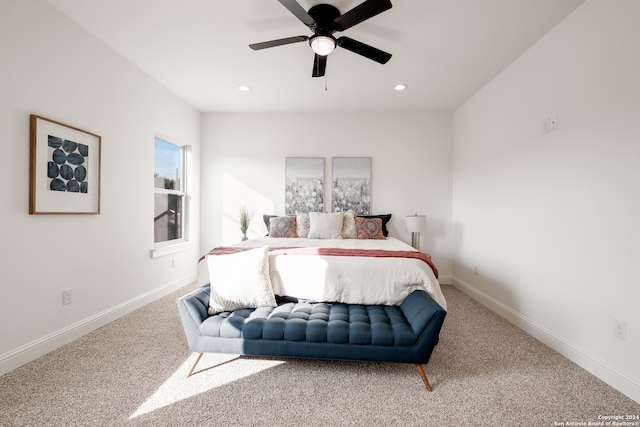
(322, 45)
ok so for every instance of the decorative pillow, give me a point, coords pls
(349, 225)
(302, 224)
(267, 221)
(325, 225)
(369, 228)
(384, 218)
(240, 280)
(282, 226)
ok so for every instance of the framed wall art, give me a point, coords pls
(304, 184)
(64, 169)
(351, 178)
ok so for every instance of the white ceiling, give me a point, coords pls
(445, 50)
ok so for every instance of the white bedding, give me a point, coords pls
(348, 279)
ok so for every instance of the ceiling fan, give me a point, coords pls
(324, 20)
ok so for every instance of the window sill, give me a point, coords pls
(170, 249)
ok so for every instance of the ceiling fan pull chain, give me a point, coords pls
(325, 82)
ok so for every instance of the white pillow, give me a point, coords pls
(325, 225)
(349, 230)
(240, 280)
(302, 224)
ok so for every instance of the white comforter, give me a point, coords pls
(348, 279)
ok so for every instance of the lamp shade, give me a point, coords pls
(322, 45)
(416, 223)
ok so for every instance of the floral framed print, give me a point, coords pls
(351, 184)
(64, 169)
(304, 185)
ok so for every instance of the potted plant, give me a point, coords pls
(245, 220)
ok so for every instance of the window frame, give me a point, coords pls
(174, 245)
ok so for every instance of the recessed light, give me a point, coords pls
(400, 87)
(244, 88)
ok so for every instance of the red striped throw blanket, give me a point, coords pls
(376, 253)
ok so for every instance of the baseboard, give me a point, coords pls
(31, 351)
(592, 364)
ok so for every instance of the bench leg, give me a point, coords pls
(195, 363)
(424, 377)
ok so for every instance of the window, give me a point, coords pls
(169, 219)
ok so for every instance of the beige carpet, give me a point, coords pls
(485, 372)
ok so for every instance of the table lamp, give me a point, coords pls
(415, 224)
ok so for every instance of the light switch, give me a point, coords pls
(67, 296)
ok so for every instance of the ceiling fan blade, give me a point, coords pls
(279, 42)
(362, 12)
(295, 8)
(364, 50)
(319, 66)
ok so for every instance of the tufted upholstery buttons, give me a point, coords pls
(316, 323)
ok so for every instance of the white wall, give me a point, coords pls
(243, 158)
(551, 220)
(51, 67)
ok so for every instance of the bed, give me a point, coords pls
(377, 271)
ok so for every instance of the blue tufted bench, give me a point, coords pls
(406, 333)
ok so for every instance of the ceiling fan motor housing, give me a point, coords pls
(325, 16)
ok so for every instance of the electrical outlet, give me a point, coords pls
(546, 125)
(475, 268)
(620, 329)
(67, 296)
(173, 263)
